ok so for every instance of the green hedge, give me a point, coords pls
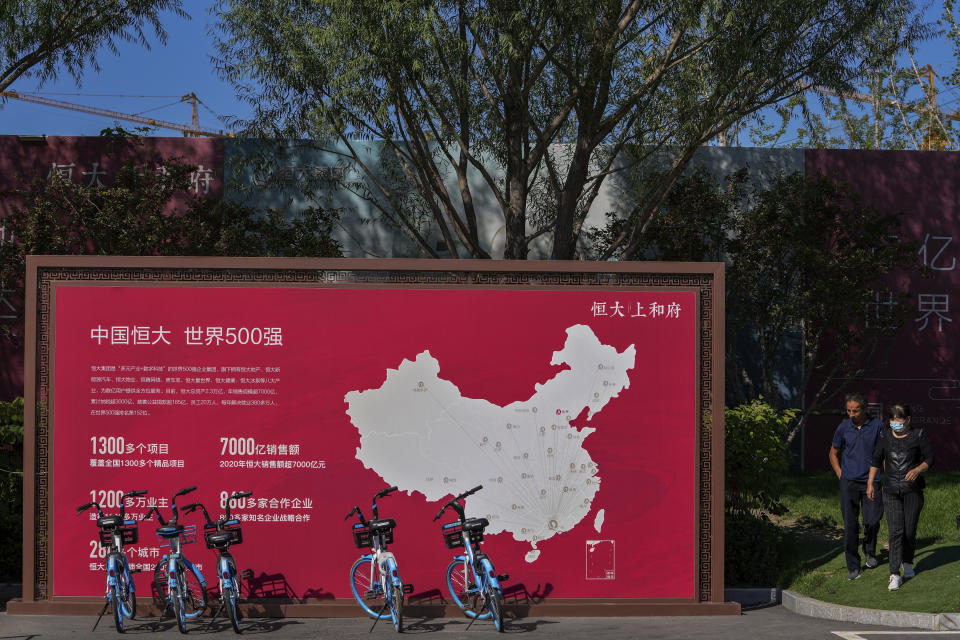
(757, 460)
(11, 490)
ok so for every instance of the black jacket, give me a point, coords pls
(901, 455)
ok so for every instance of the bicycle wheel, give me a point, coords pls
(194, 594)
(233, 610)
(367, 594)
(461, 589)
(126, 595)
(396, 608)
(495, 604)
(115, 605)
(233, 598)
(176, 599)
(160, 585)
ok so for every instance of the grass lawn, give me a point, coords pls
(816, 565)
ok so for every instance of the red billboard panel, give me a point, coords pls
(919, 367)
(576, 409)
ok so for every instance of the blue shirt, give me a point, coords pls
(857, 445)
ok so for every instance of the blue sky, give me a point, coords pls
(183, 65)
(179, 67)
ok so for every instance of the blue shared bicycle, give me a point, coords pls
(221, 535)
(115, 532)
(375, 576)
(180, 585)
(471, 579)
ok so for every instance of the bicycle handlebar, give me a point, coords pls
(84, 507)
(184, 492)
(455, 503)
(237, 494)
(159, 517)
(384, 493)
(123, 503)
(190, 508)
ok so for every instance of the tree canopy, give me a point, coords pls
(551, 92)
(41, 38)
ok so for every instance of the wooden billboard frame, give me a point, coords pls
(46, 273)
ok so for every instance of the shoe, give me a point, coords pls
(895, 582)
(871, 562)
(853, 575)
(908, 570)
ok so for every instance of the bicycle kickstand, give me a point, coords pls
(386, 603)
(479, 613)
(102, 611)
(213, 615)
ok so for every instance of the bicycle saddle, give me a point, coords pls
(109, 522)
(381, 525)
(475, 524)
(222, 539)
(170, 532)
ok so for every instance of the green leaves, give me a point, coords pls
(135, 216)
(42, 38)
(11, 489)
(757, 458)
(529, 105)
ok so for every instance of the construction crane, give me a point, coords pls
(933, 138)
(193, 129)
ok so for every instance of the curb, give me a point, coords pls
(750, 597)
(804, 606)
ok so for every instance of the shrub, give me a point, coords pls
(757, 458)
(11, 490)
(755, 551)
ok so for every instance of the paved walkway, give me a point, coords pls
(755, 624)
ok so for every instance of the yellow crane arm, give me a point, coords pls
(187, 130)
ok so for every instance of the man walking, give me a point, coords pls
(854, 441)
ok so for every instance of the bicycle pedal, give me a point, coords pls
(132, 571)
(471, 587)
(503, 577)
(408, 589)
(373, 593)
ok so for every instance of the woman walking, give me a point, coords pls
(905, 454)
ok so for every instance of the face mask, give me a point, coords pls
(897, 426)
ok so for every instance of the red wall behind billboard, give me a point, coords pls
(88, 161)
(920, 368)
(495, 346)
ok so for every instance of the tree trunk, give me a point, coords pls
(564, 237)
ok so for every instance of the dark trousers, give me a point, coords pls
(903, 513)
(853, 499)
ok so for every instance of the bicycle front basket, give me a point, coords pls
(361, 535)
(128, 534)
(453, 534)
(188, 536)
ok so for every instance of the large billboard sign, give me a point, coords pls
(919, 366)
(585, 401)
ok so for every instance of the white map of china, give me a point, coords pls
(417, 431)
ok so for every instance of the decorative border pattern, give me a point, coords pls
(48, 276)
